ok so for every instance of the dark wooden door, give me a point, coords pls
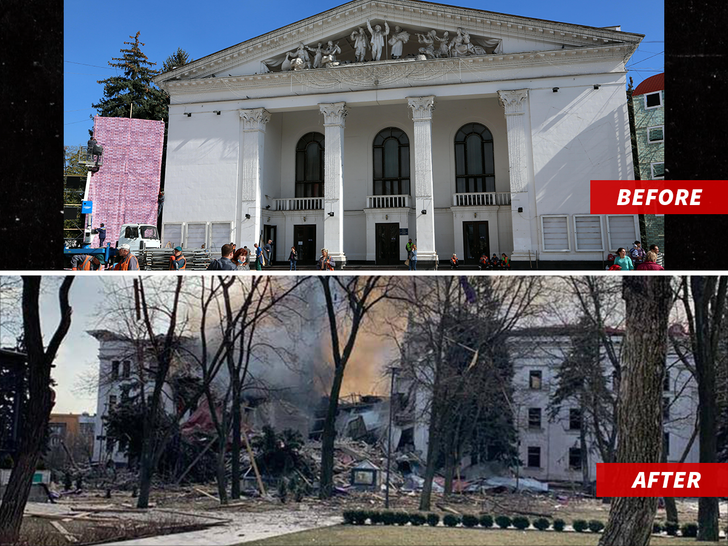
(475, 241)
(387, 247)
(269, 233)
(304, 239)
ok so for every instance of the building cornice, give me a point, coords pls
(425, 14)
(387, 74)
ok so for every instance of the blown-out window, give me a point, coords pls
(310, 165)
(474, 163)
(391, 162)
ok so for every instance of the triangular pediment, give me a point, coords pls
(417, 28)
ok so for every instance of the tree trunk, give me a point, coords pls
(236, 442)
(329, 435)
(433, 447)
(221, 471)
(449, 471)
(639, 421)
(670, 504)
(703, 289)
(38, 409)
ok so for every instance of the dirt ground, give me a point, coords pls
(252, 519)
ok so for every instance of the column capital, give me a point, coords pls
(254, 119)
(513, 101)
(422, 107)
(334, 114)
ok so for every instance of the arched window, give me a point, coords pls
(474, 165)
(391, 163)
(310, 166)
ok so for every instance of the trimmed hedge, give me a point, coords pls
(504, 522)
(348, 516)
(387, 518)
(671, 528)
(521, 523)
(375, 517)
(417, 519)
(689, 530)
(470, 520)
(486, 521)
(451, 520)
(433, 520)
(580, 525)
(401, 518)
(559, 525)
(595, 526)
(541, 524)
(656, 528)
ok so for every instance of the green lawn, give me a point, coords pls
(441, 536)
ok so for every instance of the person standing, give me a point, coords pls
(650, 263)
(623, 261)
(408, 248)
(269, 252)
(128, 261)
(326, 262)
(505, 261)
(224, 263)
(177, 261)
(293, 258)
(102, 235)
(413, 258)
(258, 257)
(656, 250)
(637, 253)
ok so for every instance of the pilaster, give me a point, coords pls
(334, 124)
(248, 213)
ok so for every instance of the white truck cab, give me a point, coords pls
(139, 236)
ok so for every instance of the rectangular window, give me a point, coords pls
(666, 444)
(623, 231)
(534, 418)
(666, 382)
(656, 134)
(534, 457)
(114, 370)
(575, 458)
(574, 419)
(126, 369)
(658, 171)
(653, 100)
(172, 234)
(588, 232)
(555, 233)
(665, 409)
(534, 380)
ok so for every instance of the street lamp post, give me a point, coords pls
(393, 371)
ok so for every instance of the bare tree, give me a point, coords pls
(40, 361)
(648, 302)
(348, 302)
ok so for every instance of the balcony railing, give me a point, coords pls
(299, 203)
(481, 199)
(388, 201)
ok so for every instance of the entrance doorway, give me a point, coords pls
(387, 247)
(269, 233)
(304, 239)
(475, 241)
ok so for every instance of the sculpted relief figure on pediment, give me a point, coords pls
(358, 46)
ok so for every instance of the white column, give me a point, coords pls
(334, 122)
(515, 104)
(424, 207)
(251, 176)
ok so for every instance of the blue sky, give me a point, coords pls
(95, 33)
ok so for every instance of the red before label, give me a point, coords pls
(662, 479)
(659, 197)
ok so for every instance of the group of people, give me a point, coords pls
(234, 259)
(494, 262)
(126, 261)
(637, 259)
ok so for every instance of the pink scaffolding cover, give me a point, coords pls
(126, 188)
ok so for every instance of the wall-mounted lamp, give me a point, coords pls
(304, 218)
(597, 86)
(520, 209)
(423, 211)
(475, 215)
(269, 218)
(217, 112)
(555, 90)
(267, 207)
(331, 213)
(386, 216)
(188, 114)
(247, 216)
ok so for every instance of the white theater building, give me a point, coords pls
(482, 136)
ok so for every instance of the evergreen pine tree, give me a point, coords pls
(133, 88)
(176, 59)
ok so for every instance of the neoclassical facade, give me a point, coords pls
(475, 132)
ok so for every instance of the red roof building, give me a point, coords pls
(650, 85)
